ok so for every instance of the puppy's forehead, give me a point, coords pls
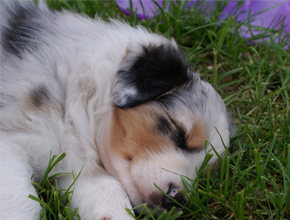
(152, 113)
(179, 106)
(178, 110)
(155, 117)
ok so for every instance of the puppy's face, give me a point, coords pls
(150, 138)
(162, 116)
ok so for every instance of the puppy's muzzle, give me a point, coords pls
(174, 193)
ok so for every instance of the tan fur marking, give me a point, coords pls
(133, 135)
(198, 134)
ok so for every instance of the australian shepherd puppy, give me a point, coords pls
(121, 102)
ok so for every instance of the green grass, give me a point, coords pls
(56, 203)
(253, 181)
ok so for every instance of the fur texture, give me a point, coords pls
(119, 101)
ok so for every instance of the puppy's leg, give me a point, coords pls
(15, 179)
(100, 198)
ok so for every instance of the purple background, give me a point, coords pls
(249, 7)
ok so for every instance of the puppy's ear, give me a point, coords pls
(147, 74)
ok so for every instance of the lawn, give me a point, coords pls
(253, 181)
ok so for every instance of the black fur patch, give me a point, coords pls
(39, 96)
(179, 139)
(22, 29)
(156, 71)
(164, 126)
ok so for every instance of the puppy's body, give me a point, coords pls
(119, 101)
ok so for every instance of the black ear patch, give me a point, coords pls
(157, 70)
(23, 27)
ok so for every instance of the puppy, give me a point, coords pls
(121, 102)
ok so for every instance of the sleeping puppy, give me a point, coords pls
(121, 102)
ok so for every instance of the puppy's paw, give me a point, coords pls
(101, 198)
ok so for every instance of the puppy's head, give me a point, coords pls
(163, 113)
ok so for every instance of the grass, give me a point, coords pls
(55, 202)
(253, 181)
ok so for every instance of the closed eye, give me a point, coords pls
(179, 138)
(170, 129)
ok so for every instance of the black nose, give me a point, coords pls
(173, 192)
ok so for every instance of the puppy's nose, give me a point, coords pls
(173, 192)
